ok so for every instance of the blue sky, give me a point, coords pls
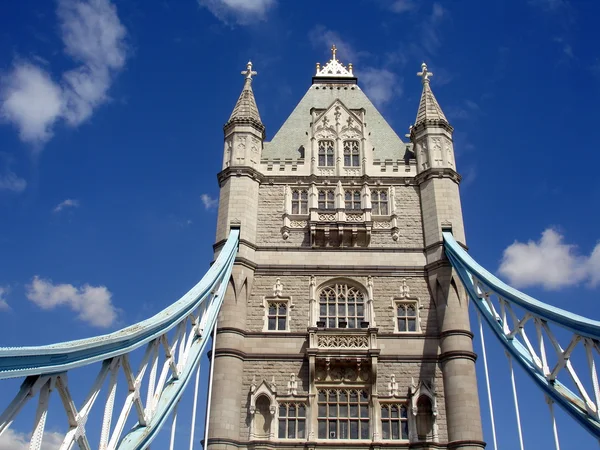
(111, 117)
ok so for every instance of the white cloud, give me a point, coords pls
(381, 85)
(549, 263)
(430, 37)
(3, 303)
(68, 203)
(14, 440)
(321, 36)
(208, 201)
(9, 181)
(244, 12)
(401, 6)
(92, 303)
(31, 101)
(94, 37)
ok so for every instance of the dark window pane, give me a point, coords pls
(364, 411)
(322, 410)
(354, 429)
(304, 195)
(332, 429)
(405, 429)
(321, 160)
(301, 428)
(353, 410)
(395, 430)
(281, 323)
(282, 309)
(343, 430)
(384, 209)
(272, 309)
(403, 412)
(394, 411)
(322, 429)
(333, 410)
(347, 160)
(332, 396)
(281, 428)
(385, 429)
(271, 323)
(295, 208)
(352, 323)
(343, 410)
(292, 429)
(412, 325)
(385, 412)
(292, 411)
(322, 396)
(364, 430)
(323, 310)
(282, 411)
(343, 396)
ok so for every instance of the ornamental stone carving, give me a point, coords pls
(343, 341)
(326, 217)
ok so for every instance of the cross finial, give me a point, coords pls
(249, 72)
(333, 51)
(424, 74)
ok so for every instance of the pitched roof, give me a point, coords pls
(245, 109)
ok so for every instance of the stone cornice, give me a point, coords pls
(438, 173)
(239, 171)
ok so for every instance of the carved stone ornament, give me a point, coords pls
(292, 385)
(393, 386)
(277, 288)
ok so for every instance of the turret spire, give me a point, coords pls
(429, 108)
(245, 110)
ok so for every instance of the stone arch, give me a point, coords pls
(424, 418)
(262, 418)
(263, 406)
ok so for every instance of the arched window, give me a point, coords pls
(341, 306)
(326, 154)
(299, 201)
(352, 199)
(326, 199)
(351, 154)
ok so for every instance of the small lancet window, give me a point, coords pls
(299, 201)
(326, 153)
(277, 316)
(352, 199)
(326, 199)
(351, 154)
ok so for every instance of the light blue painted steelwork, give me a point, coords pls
(45, 362)
(467, 268)
(24, 361)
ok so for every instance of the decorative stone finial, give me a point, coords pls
(424, 74)
(393, 386)
(273, 384)
(249, 72)
(333, 51)
(253, 385)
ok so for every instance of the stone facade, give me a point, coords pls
(343, 325)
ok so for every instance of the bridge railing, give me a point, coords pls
(172, 343)
(559, 350)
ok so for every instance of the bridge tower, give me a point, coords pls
(343, 325)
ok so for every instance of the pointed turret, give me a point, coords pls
(431, 133)
(244, 131)
(245, 110)
(429, 108)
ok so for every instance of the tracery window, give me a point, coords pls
(326, 199)
(343, 414)
(299, 201)
(326, 153)
(351, 154)
(352, 199)
(277, 315)
(379, 202)
(341, 306)
(292, 420)
(407, 316)
(394, 421)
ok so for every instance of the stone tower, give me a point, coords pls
(343, 325)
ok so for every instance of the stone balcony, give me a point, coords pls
(340, 228)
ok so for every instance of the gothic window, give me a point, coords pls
(343, 414)
(352, 199)
(341, 306)
(326, 199)
(326, 154)
(292, 420)
(299, 201)
(277, 316)
(407, 316)
(379, 202)
(351, 154)
(394, 421)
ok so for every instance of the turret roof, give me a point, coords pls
(245, 109)
(429, 108)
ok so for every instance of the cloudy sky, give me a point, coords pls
(111, 117)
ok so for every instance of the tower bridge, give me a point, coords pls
(337, 306)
